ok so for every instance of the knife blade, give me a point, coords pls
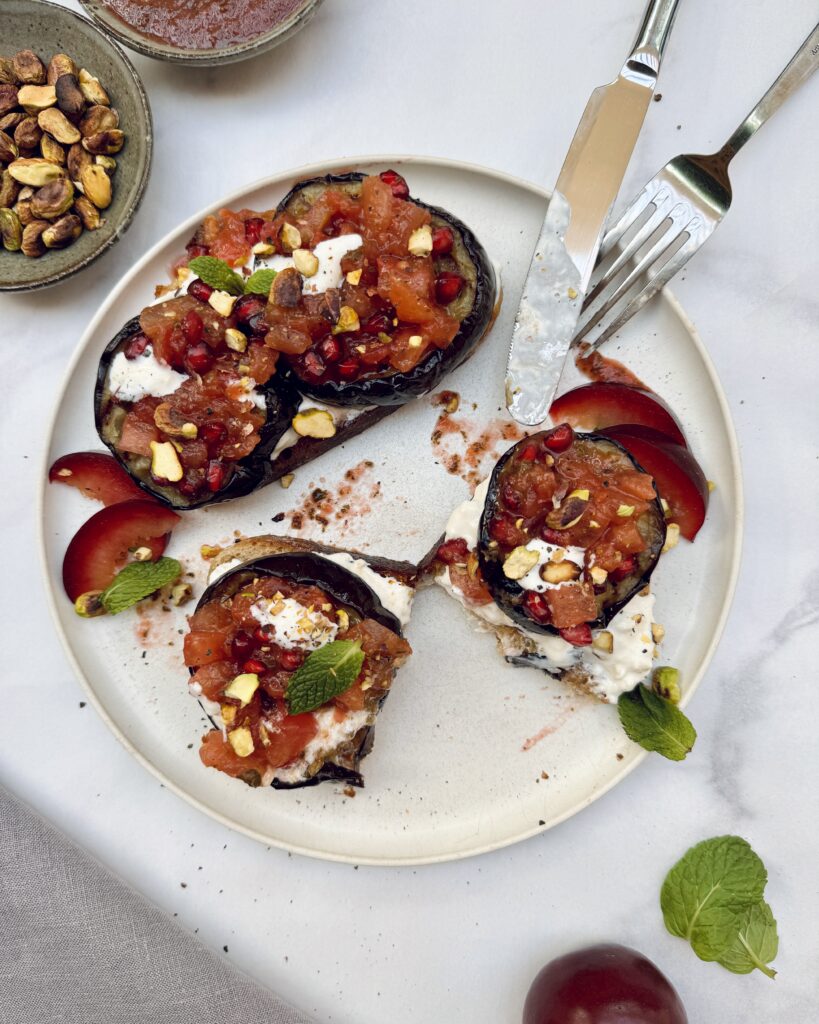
(575, 220)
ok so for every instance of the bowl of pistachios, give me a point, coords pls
(75, 144)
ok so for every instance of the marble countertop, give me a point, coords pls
(504, 86)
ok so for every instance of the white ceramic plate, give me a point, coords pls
(452, 773)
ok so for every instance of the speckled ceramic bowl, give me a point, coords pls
(47, 29)
(151, 47)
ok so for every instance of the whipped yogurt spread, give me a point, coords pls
(609, 673)
(329, 254)
(132, 379)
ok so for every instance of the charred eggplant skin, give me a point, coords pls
(399, 388)
(508, 595)
(307, 567)
(250, 473)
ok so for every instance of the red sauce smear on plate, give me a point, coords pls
(203, 24)
(607, 371)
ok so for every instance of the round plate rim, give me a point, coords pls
(311, 170)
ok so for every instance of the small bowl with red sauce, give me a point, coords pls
(201, 32)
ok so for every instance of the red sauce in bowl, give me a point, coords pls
(203, 24)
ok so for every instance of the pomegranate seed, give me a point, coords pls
(330, 349)
(348, 368)
(579, 635)
(215, 475)
(248, 306)
(253, 229)
(552, 536)
(199, 290)
(212, 433)
(504, 532)
(198, 358)
(378, 323)
(447, 287)
(193, 249)
(291, 660)
(262, 634)
(254, 665)
(559, 439)
(192, 327)
(624, 569)
(454, 551)
(529, 453)
(188, 488)
(136, 346)
(442, 241)
(510, 497)
(313, 364)
(400, 189)
(537, 606)
(241, 646)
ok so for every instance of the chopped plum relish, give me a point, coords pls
(243, 649)
(571, 530)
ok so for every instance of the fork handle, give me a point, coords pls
(804, 62)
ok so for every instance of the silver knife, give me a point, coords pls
(575, 219)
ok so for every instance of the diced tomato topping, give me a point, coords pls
(287, 735)
(216, 752)
(470, 584)
(213, 678)
(205, 646)
(225, 237)
(578, 636)
(571, 604)
(455, 550)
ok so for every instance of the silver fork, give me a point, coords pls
(674, 215)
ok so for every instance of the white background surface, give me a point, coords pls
(502, 85)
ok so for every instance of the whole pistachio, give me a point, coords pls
(105, 143)
(26, 192)
(9, 189)
(53, 200)
(62, 232)
(35, 171)
(33, 238)
(69, 96)
(96, 185)
(28, 133)
(8, 98)
(8, 149)
(8, 76)
(106, 162)
(59, 65)
(8, 122)
(58, 126)
(91, 88)
(29, 68)
(98, 119)
(11, 230)
(23, 210)
(78, 158)
(87, 212)
(34, 98)
(52, 150)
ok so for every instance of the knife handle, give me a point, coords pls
(654, 32)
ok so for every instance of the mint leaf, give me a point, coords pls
(756, 943)
(217, 274)
(656, 724)
(326, 673)
(706, 895)
(260, 281)
(138, 580)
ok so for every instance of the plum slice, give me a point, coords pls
(97, 476)
(101, 545)
(599, 405)
(678, 475)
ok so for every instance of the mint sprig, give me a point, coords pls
(136, 581)
(325, 674)
(713, 898)
(260, 281)
(217, 274)
(656, 724)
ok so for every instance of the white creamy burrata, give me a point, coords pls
(132, 379)
(329, 254)
(609, 673)
(292, 625)
(332, 732)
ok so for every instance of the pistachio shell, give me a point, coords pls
(33, 238)
(98, 119)
(52, 150)
(96, 185)
(91, 88)
(58, 126)
(77, 159)
(29, 68)
(8, 149)
(35, 171)
(11, 230)
(53, 200)
(105, 143)
(62, 232)
(59, 65)
(34, 98)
